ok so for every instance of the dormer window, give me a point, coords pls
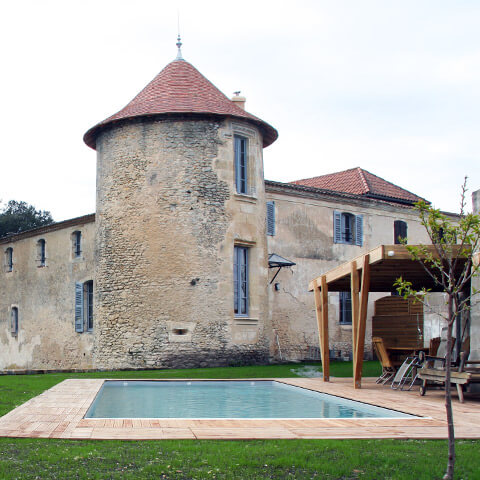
(9, 259)
(41, 253)
(77, 244)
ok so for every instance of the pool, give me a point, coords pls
(207, 399)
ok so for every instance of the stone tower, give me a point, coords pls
(180, 249)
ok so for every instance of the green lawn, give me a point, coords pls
(189, 459)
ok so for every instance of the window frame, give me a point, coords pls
(345, 308)
(241, 303)
(399, 227)
(347, 228)
(77, 244)
(240, 150)
(88, 307)
(9, 259)
(83, 306)
(42, 252)
(14, 320)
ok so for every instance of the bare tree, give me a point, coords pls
(451, 265)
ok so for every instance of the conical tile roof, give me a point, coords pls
(181, 89)
(361, 182)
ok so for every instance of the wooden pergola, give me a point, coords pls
(374, 271)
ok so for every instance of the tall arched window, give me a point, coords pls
(9, 259)
(41, 253)
(77, 244)
(14, 321)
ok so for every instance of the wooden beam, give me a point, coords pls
(388, 253)
(362, 318)
(321, 306)
(355, 308)
(376, 255)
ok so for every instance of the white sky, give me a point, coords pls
(393, 87)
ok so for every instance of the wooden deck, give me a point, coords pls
(59, 412)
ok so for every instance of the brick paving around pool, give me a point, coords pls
(59, 413)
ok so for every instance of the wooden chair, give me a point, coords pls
(434, 344)
(388, 370)
(461, 374)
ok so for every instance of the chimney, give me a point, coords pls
(238, 100)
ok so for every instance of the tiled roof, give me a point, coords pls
(181, 89)
(48, 228)
(360, 182)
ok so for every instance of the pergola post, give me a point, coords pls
(354, 288)
(362, 322)
(321, 307)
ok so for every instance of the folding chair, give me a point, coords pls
(388, 370)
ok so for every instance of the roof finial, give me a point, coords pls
(179, 40)
(179, 46)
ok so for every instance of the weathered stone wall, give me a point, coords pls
(167, 221)
(45, 298)
(304, 234)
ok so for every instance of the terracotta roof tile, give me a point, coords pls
(181, 89)
(360, 182)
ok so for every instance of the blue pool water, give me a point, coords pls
(224, 399)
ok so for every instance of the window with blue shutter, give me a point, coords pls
(79, 307)
(271, 218)
(240, 281)
(359, 230)
(347, 228)
(240, 153)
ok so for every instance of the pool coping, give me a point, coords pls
(59, 412)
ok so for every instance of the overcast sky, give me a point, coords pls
(393, 87)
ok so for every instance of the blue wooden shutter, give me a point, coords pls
(79, 307)
(359, 230)
(337, 227)
(271, 218)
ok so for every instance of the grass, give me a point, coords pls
(207, 459)
(17, 389)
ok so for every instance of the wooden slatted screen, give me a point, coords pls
(399, 322)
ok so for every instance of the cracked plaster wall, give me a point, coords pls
(304, 234)
(45, 298)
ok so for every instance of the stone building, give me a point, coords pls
(172, 270)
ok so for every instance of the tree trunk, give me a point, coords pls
(448, 396)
